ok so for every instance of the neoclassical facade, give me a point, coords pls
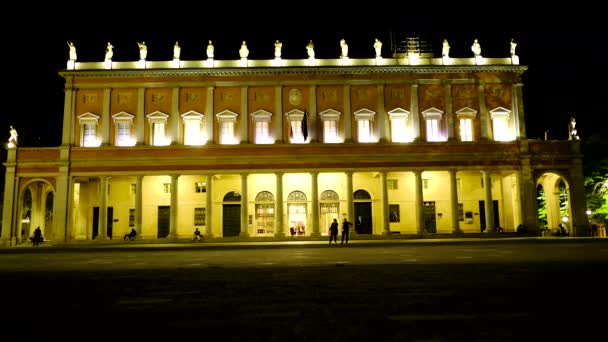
(410, 145)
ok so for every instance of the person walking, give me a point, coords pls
(37, 236)
(333, 232)
(345, 229)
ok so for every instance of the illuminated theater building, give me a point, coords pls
(410, 145)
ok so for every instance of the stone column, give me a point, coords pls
(174, 217)
(139, 205)
(489, 208)
(419, 202)
(348, 134)
(518, 108)
(176, 136)
(106, 118)
(314, 211)
(140, 117)
(209, 206)
(415, 112)
(244, 117)
(278, 115)
(454, 202)
(312, 114)
(209, 115)
(102, 232)
(278, 218)
(448, 110)
(244, 207)
(61, 205)
(386, 228)
(10, 196)
(350, 209)
(578, 203)
(69, 121)
(381, 115)
(527, 188)
(485, 122)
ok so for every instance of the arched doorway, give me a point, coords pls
(330, 209)
(363, 212)
(264, 213)
(296, 209)
(231, 214)
(553, 201)
(35, 209)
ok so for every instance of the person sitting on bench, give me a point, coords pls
(197, 235)
(131, 235)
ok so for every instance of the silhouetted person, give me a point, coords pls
(197, 235)
(37, 238)
(333, 232)
(131, 235)
(345, 229)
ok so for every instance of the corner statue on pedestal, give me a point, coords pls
(13, 136)
(244, 51)
(72, 51)
(573, 131)
(445, 52)
(344, 48)
(176, 50)
(513, 46)
(143, 50)
(210, 50)
(277, 49)
(476, 48)
(310, 49)
(109, 52)
(378, 48)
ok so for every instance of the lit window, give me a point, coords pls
(392, 184)
(432, 117)
(123, 122)
(500, 124)
(133, 189)
(166, 188)
(425, 183)
(364, 119)
(131, 217)
(330, 119)
(199, 216)
(465, 118)
(296, 125)
(227, 120)
(261, 120)
(200, 187)
(158, 122)
(88, 130)
(399, 132)
(460, 212)
(193, 128)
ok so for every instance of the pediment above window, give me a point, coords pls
(157, 117)
(466, 113)
(500, 112)
(226, 116)
(330, 115)
(192, 115)
(295, 115)
(398, 113)
(88, 117)
(261, 115)
(123, 116)
(364, 114)
(432, 113)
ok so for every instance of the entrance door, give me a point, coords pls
(231, 220)
(482, 215)
(430, 223)
(164, 219)
(363, 217)
(95, 222)
(109, 222)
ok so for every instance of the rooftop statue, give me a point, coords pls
(476, 48)
(344, 48)
(244, 51)
(109, 52)
(13, 136)
(445, 51)
(378, 47)
(72, 51)
(210, 50)
(176, 50)
(573, 131)
(513, 46)
(310, 49)
(143, 50)
(277, 49)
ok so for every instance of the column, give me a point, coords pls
(312, 114)
(140, 117)
(314, 211)
(484, 119)
(415, 112)
(454, 202)
(419, 202)
(578, 203)
(386, 228)
(278, 115)
(244, 204)
(67, 138)
(348, 135)
(527, 188)
(209, 206)
(105, 118)
(350, 209)
(173, 223)
(381, 114)
(518, 108)
(61, 205)
(488, 207)
(209, 116)
(244, 117)
(278, 218)
(102, 231)
(10, 195)
(516, 200)
(448, 109)
(139, 205)
(176, 136)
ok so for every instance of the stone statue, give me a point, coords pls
(277, 49)
(210, 50)
(244, 51)
(109, 52)
(573, 131)
(445, 51)
(310, 49)
(344, 48)
(72, 51)
(378, 47)
(476, 48)
(13, 138)
(143, 50)
(513, 46)
(176, 50)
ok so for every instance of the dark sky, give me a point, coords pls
(561, 47)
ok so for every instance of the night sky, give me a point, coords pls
(563, 50)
